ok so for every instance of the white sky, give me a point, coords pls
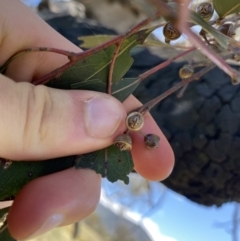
(147, 224)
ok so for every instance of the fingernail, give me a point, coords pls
(52, 222)
(102, 117)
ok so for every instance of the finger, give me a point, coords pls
(39, 123)
(55, 200)
(155, 164)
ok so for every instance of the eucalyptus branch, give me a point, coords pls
(69, 54)
(165, 64)
(211, 54)
(184, 12)
(75, 57)
(149, 105)
(82, 55)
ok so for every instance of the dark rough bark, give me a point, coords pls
(203, 130)
(202, 126)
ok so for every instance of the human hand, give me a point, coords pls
(41, 123)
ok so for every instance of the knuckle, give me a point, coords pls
(38, 107)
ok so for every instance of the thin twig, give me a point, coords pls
(182, 91)
(166, 63)
(196, 41)
(54, 74)
(69, 54)
(149, 105)
(183, 14)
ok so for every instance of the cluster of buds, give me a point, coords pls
(170, 31)
(207, 12)
(135, 122)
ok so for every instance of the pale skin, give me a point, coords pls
(41, 123)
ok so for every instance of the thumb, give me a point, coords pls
(38, 122)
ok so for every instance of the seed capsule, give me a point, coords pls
(151, 141)
(135, 121)
(170, 32)
(205, 10)
(123, 142)
(186, 71)
(227, 29)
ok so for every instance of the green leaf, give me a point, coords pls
(20, 173)
(121, 90)
(124, 88)
(226, 7)
(109, 162)
(4, 232)
(97, 65)
(94, 40)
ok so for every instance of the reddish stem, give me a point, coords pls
(149, 105)
(37, 49)
(209, 53)
(164, 64)
(53, 50)
(183, 14)
(79, 56)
